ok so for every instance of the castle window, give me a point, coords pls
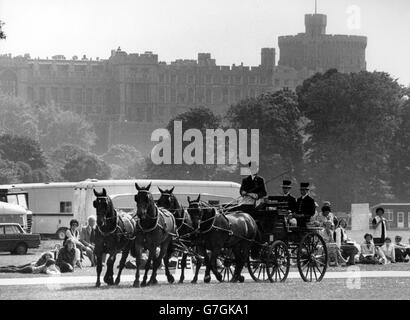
(225, 79)
(78, 96)
(238, 79)
(208, 78)
(161, 94)
(252, 79)
(225, 95)
(54, 94)
(162, 78)
(42, 95)
(208, 96)
(173, 95)
(30, 94)
(89, 96)
(66, 94)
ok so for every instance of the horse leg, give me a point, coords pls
(124, 257)
(238, 261)
(157, 263)
(138, 253)
(212, 263)
(207, 277)
(198, 264)
(109, 276)
(151, 256)
(168, 252)
(98, 269)
(183, 266)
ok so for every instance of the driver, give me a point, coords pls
(252, 189)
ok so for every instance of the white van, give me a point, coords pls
(122, 192)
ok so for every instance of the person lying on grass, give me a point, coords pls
(45, 264)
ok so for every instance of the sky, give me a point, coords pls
(233, 31)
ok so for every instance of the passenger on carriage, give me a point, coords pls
(252, 189)
(305, 206)
(286, 186)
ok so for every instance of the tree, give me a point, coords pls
(17, 117)
(400, 156)
(2, 34)
(125, 161)
(200, 118)
(278, 119)
(352, 120)
(85, 167)
(24, 149)
(8, 173)
(58, 127)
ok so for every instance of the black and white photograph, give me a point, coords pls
(183, 151)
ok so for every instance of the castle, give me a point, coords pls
(129, 95)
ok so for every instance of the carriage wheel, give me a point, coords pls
(258, 269)
(226, 264)
(312, 257)
(279, 268)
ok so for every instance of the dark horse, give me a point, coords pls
(155, 227)
(113, 235)
(185, 230)
(236, 230)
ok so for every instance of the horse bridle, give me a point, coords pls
(105, 219)
(156, 217)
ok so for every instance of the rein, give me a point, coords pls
(213, 226)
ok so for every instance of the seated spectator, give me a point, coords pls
(73, 234)
(87, 237)
(368, 254)
(325, 216)
(333, 250)
(401, 250)
(388, 251)
(348, 250)
(45, 264)
(67, 257)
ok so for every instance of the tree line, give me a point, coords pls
(348, 134)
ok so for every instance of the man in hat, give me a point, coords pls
(305, 206)
(286, 186)
(252, 189)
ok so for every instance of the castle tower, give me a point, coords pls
(268, 58)
(315, 24)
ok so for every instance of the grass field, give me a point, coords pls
(366, 288)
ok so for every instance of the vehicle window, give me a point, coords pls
(12, 198)
(22, 200)
(3, 198)
(1, 230)
(11, 230)
(65, 207)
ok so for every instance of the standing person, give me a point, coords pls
(347, 250)
(286, 186)
(379, 225)
(87, 236)
(66, 259)
(305, 206)
(252, 189)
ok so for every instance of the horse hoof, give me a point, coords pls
(207, 279)
(117, 281)
(98, 284)
(143, 284)
(194, 281)
(182, 281)
(152, 282)
(136, 284)
(171, 279)
(241, 279)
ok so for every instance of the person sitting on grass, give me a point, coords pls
(368, 252)
(45, 264)
(74, 234)
(401, 250)
(348, 250)
(388, 251)
(67, 258)
(333, 250)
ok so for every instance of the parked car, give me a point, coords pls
(14, 239)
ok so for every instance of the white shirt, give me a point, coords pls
(340, 234)
(378, 231)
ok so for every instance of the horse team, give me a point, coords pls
(166, 225)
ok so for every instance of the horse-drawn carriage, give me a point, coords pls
(281, 245)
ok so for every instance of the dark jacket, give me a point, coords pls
(66, 256)
(256, 185)
(291, 203)
(306, 206)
